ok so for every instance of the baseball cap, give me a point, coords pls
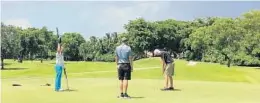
(124, 39)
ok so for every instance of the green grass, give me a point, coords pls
(96, 82)
(88, 90)
(201, 71)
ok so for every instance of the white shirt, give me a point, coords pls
(60, 59)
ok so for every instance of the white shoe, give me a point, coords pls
(60, 90)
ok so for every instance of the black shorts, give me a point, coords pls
(124, 71)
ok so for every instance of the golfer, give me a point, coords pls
(58, 67)
(124, 66)
(167, 69)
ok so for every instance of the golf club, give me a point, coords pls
(59, 37)
(66, 76)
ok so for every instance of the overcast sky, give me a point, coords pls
(95, 18)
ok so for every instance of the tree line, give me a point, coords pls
(230, 41)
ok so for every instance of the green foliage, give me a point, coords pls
(231, 41)
(71, 44)
(10, 45)
(140, 35)
(105, 58)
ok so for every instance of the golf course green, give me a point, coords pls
(96, 82)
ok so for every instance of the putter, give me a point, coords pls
(58, 35)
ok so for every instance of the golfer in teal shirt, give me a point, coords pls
(124, 67)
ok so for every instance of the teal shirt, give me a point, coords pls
(123, 52)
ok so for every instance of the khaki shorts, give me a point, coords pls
(169, 70)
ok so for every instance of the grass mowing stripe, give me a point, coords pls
(201, 71)
(114, 71)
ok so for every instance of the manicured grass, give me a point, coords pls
(98, 90)
(96, 82)
(201, 71)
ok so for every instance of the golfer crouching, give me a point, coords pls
(167, 69)
(58, 67)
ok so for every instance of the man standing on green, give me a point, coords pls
(124, 66)
(167, 68)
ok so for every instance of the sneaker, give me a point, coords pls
(126, 95)
(60, 90)
(165, 89)
(121, 95)
(171, 88)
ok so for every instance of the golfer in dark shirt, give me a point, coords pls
(167, 69)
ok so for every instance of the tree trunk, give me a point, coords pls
(227, 58)
(229, 62)
(2, 63)
(41, 58)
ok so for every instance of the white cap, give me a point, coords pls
(157, 52)
(124, 39)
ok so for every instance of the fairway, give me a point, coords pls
(94, 90)
(96, 82)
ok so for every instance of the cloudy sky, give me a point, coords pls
(95, 18)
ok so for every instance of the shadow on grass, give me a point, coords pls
(132, 97)
(14, 68)
(251, 66)
(173, 90)
(137, 97)
(55, 63)
(7, 64)
(177, 90)
(69, 90)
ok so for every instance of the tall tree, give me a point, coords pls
(71, 43)
(10, 45)
(140, 35)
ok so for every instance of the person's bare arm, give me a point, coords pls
(131, 62)
(163, 68)
(163, 64)
(58, 48)
(130, 57)
(116, 59)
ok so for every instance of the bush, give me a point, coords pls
(105, 58)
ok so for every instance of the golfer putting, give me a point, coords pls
(124, 66)
(167, 68)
